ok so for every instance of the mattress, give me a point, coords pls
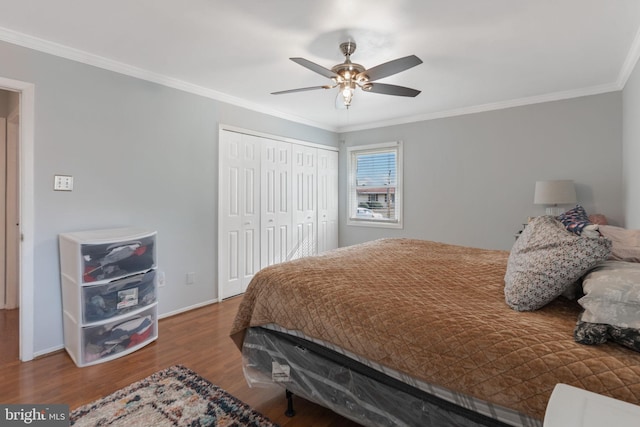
(436, 313)
(359, 389)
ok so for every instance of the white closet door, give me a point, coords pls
(275, 185)
(239, 212)
(327, 200)
(305, 211)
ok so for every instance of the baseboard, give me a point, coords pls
(48, 351)
(189, 308)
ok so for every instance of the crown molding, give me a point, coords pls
(501, 105)
(77, 55)
(87, 58)
(630, 61)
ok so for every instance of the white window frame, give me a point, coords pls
(352, 198)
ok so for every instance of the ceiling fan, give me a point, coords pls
(347, 76)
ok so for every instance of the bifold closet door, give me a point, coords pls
(327, 200)
(305, 201)
(239, 212)
(276, 206)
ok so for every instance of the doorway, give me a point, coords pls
(25, 196)
(9, 222)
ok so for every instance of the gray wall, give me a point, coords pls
(470, 179)
(631, 147)
(141, 154)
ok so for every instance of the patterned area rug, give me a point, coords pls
(175, 396)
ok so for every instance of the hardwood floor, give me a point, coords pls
(9, 325)
(198, 339)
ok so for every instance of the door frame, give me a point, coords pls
(12, 217)
(26, 201)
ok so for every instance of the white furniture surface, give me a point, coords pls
(574, 407)
(109, 293)
(277, 201)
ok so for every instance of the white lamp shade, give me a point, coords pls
(560, 192)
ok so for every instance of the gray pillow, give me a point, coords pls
(612, 294)
(546, 260)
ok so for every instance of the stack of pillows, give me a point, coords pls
(570, 256)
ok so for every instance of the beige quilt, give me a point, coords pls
(437, 312)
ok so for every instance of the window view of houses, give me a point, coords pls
(376, 179)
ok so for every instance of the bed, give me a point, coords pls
(414, 332)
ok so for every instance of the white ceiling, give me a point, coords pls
(478, 54)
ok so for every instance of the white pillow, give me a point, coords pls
(625, 243)
(612, 294)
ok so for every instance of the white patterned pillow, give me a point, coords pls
(546, 260)
(612, 294)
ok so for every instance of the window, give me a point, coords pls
(375, 185)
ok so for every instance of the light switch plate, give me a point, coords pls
(63, 183)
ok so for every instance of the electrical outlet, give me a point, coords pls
(191, 278)
(161, 281)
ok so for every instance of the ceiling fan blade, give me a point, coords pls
(302, 89)
(390, 89)
(315, 67)
(390, 68)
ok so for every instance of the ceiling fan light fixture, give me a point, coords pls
(347, 89)
(348, 75)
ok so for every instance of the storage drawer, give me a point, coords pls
(120, 337)
(102, 302)
(112, 260)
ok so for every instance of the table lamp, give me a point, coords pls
(554, 193)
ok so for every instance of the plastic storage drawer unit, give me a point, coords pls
(109, 292)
